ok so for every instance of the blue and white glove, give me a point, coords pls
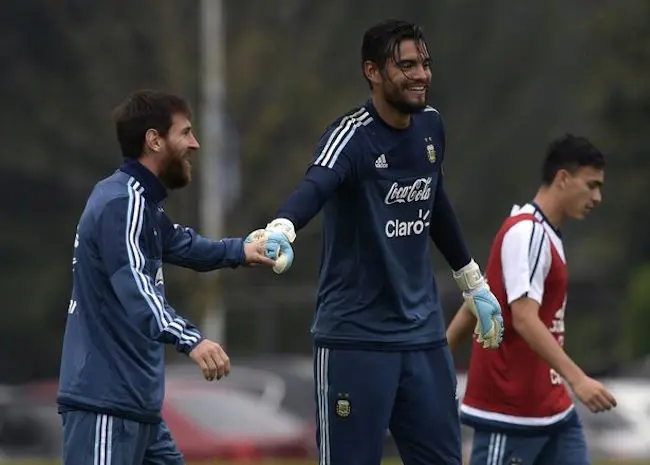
(279, 234)
(482, 303)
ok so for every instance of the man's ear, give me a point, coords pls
(562, 178)
(372, 72)
(152, 140)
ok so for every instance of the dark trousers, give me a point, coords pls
(98, 439)
(361, 394)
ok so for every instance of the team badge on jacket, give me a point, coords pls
(431, 149)
(343, 407)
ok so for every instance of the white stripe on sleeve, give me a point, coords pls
(135, 219)
(340, 136)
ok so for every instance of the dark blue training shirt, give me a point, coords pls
(118, 318)
(382, 197)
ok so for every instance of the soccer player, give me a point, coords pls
(516, 399)
(112, 368)
(381, 358)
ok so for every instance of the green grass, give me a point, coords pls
(299, 462)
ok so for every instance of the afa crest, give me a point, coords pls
(431, 150)
(343, 408)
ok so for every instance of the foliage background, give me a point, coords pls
(508, 77)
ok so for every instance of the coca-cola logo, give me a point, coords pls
(418, 191)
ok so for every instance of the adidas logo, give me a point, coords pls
(381, 162)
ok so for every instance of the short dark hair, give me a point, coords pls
(381, 41)
(144, 110)
(570, 153)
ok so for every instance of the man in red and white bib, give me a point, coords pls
(517, 399)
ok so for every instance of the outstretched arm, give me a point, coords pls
(183, 246)
(309, 197)
(330, 167)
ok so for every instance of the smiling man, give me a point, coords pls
(380, 358)
(112, 366)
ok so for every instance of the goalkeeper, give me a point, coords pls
(381, 358)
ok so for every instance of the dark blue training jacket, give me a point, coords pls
(119, 319)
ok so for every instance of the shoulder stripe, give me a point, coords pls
(341, 135)
(535, 247)
(135, 220)
(341, 126)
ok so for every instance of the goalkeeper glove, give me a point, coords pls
(277, 248)
(279, 235)
(483, 304)
(285, 228)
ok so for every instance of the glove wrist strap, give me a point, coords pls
(469, 277)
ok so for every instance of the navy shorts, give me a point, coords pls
(564, 445)
(97, 439)
(361, 394)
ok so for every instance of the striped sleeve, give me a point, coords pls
(123, 238)
(334, 147)
(525, 260)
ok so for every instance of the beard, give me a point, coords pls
(395, 98)
(177, 173)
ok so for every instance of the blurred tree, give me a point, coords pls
(620, 95)
(507, 78)
(66, 65)
(636, 317)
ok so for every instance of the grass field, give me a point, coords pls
(387, 462)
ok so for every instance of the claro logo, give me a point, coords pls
(402, 228)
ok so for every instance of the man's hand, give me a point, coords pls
(593, 394)
(482, 303)
(285, 228)
(212, 359)
(262, 247)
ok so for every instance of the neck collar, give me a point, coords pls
(154, 189)
(375, 114)
(545, 218)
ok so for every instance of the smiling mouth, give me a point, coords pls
(417, 89)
